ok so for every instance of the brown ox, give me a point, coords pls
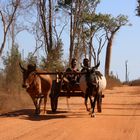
(37, 85)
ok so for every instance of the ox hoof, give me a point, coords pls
(37, 112)
(93, 115)
(99, 110)
(88, 109)
(103, 95)
(90, 112)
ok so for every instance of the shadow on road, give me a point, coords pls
(29, 115)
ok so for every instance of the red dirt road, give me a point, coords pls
(119, 120)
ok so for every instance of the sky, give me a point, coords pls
(125, 45)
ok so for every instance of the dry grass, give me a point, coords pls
(134, 83)
(113, 82)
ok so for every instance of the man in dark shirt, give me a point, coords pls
(73, 77)
(85, 65)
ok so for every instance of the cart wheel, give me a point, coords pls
(99, 103)
(54, 96)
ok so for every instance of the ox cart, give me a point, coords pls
(62, 88)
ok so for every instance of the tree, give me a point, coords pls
(94, 30)
(76, 10)
(112, 26)
(12, 71)
(47, 30)
(138, 8)
(7, 18)
(56, 56)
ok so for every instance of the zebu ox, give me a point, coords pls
(37, 85)
(92, 84)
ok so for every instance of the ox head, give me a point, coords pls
(93, 69)
(93, 74)
(24, 75)
(26, 72)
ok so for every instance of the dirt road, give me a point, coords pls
(119, 120)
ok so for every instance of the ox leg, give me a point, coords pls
(90, 98)
(88, 94)
(45, 102)
(86, 98)
(93, 106)
(99, 103)
(39, 104)
(37, 110)
(35, 104)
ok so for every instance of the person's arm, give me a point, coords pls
(68, 76)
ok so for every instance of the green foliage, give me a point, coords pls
(64, 2)
(54, 59)
(12, 72)
(134, 82)
(114, 23)
(31, 59)
(67, 1)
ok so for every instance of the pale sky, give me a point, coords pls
(126, 45)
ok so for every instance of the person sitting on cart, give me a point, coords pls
(85, 65)
(73, 77)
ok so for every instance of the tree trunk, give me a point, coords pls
(73, 29)
(90, 50)
(6, 27)
(50, 24)
(71, 39)
(108, 55)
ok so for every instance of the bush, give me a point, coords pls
(134, 82)
(113, 82)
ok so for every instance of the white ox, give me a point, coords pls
(92, 83)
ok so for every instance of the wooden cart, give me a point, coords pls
(60, 88)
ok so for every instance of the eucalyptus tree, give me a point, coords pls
(94, 30)
(73, 8)
(40, 21)
(46, 11)
(77, 10)
(89, 26)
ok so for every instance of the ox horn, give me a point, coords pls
(95, 67)
(22, 68)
